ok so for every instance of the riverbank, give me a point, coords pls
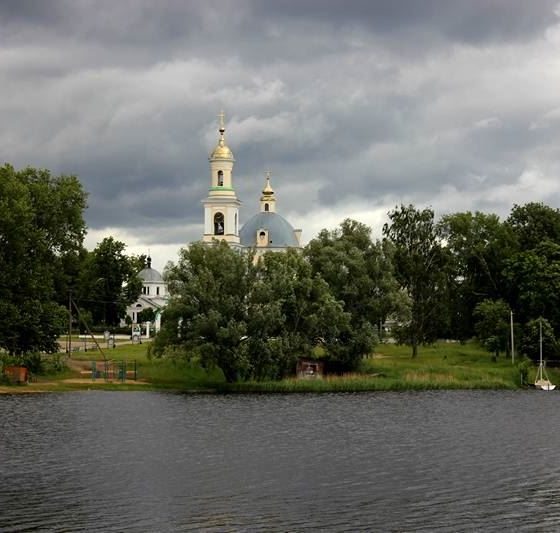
(391, 368)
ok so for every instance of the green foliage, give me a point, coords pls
(534, 276)
(147, 315)
(492, 325)
(254, 321)
(292, 310)
(41, 227)
(207, 315)
(479, 245)
(359, 273)
(108, 282)
(534, 223)
(530, 344)
(421, 266)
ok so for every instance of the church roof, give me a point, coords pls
(280, 231)
(150, 275)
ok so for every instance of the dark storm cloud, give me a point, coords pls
(348, 103)
(474, 21)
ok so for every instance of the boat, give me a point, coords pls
(542, 382)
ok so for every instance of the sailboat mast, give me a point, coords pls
(540, 348)
(511, 331)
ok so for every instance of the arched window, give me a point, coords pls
(220, 178)
(219, 224)
(157, 291)
(266, 207)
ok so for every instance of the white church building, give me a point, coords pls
(154, 295)
(265, 231)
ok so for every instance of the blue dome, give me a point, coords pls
(280, 231)
(150, 275)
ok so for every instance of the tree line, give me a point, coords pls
(43, 262)
(455, 277)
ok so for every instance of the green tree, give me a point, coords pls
(292, 312)
(358, 271)
(146, 315)
(421, 269)
(492, 325)
(207, 314)
(41, 225)
(479, 246)
(534, 279)
(534, 223)
(253, 321)
(108, 282)
(530, 343)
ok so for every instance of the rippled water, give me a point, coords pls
(445, 461)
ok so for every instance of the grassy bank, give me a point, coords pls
(390, 368)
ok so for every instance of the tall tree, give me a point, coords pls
(358, 271)
(254, 321)
(420, 267)
(530, 343)
(207, 315)
(492, 325)
(534, 223)
(293, 311)
(108, 282)
(534, 279)
(479, 245)
(41, 224)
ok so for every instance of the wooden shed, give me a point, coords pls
(310, 369)
(16, 374)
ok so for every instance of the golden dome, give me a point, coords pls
(268, 191)
(222, 150)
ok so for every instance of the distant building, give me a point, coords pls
(154, 295)
(265, 231)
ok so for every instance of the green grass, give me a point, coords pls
(390, 368)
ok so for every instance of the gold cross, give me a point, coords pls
(222, 118)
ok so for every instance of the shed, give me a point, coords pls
(310, 368)
(16, 374)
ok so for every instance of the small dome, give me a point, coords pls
(150, 275)
(221, 151)
(280, 231)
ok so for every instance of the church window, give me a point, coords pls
(262, 235)
(143, 290)
(219, 224)
(220, 178)
(157, 291)
(266, 207)
(147, 290)
(236, 223)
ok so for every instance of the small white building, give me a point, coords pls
(154, 295)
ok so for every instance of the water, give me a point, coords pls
(442, 461)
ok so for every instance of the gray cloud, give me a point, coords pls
(352, 105)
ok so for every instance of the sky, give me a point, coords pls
(354, 107)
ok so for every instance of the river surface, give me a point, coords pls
(158, 462)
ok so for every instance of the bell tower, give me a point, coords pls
(221, 207)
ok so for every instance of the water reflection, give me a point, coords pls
(445, 461)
